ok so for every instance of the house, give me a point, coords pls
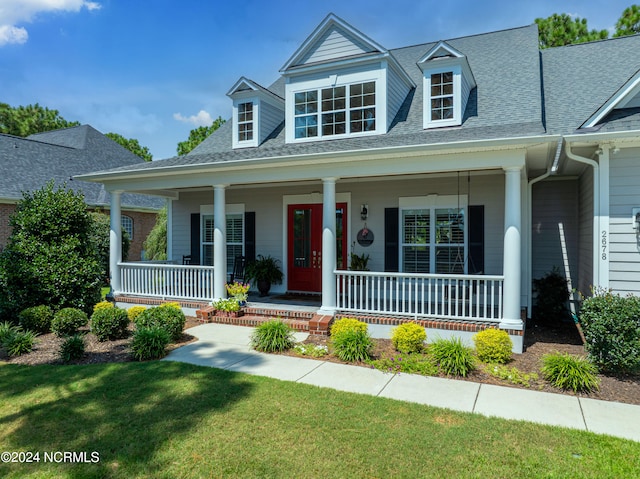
(463, 167)
(29, 163)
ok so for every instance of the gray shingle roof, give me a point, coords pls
(29, 163)
(579, 79)
(520, 92)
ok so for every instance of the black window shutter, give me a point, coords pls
(391, 235)
(476, 239)
(195, 238)
(250, 236)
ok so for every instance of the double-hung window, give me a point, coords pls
(334, 111)
(433, 239)
(245, 121)
(235, 238)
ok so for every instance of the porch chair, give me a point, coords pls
(238, 270)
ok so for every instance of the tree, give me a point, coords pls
(132, 145)
(198, 135)
(558, 30)
(50, 257)
(100, 235)
(155, 246)
(27, 120)
(629, 22)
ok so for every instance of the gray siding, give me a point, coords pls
(624, 193)
(465, 88)
(397, 91)
(555, 228)
(334, 44)
(585, 242)
(270, 117)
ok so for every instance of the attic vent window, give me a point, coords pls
(245, 121)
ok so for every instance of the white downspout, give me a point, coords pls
(552, 169)
(596, 208)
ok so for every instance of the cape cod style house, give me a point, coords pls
(463, 168)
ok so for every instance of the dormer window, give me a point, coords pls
(442, 99)
(335, 111)
(245, 121)
(447, 83)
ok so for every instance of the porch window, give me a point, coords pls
(433, 240)
(127, 225)
(335, 111)
(235, 239)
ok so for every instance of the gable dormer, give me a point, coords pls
(447, 82)
(627, 96)
(257, 112)
(340, 83)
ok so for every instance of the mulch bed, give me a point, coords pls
(539, 340)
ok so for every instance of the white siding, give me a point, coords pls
(585, 242)
(555, 228)
(270, 117)
(334, 44)
(397, 91)
(624, 187)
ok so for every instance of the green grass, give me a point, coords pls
(166, 420)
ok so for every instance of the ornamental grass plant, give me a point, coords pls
(272, 336)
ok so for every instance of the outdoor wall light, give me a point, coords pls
(364, 212)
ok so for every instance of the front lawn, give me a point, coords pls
(166, 419)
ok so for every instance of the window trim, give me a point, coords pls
(456, 120)
(325, 81)
(236, 142)
(432, 203)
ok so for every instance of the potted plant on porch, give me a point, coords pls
(266, 271)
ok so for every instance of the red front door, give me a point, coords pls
(305, 245)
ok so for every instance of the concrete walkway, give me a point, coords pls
(227, 347)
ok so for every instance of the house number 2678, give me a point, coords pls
(603, 244)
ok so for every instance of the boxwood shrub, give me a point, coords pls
(109, 323)
(611, 326)
(493, 346)
(169, 318)
(67, 321)
(37, 319)
(409, 338)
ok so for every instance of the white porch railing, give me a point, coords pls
(162, 280)
(450, 296)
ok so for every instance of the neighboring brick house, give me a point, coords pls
(29, 163)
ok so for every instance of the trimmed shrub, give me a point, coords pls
(611, 327)
(103, 305)
(167, 317)
(149, 343)
(570, 372)
(409, 338)
(352, 345)
(348, 324)
(453, 357)
(37, 319)
(493, 346)
(134, 311)
(67, 321)
(171, 304)
(272, 336)
(20, 342)
(72, 348)
(109, 323)
(50, 257)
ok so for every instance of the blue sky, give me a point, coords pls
(154, 70)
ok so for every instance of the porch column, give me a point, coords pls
(511, 318)
(115, 242)
(219, 242)
(328, 245)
